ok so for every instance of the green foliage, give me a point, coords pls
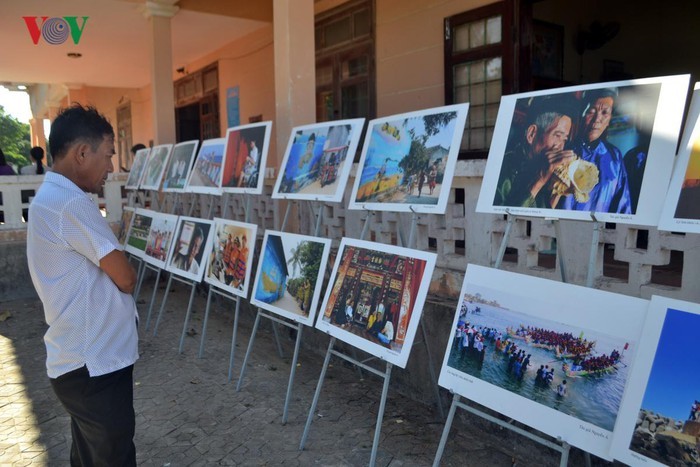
(418, 156)
(310, 257)
(15, 141)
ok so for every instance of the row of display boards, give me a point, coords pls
(610, 374)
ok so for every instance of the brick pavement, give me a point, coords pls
(188, 414)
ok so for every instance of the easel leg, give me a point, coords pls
(565, 455)
(233, 339)
(504, 242)
(560, 250)
(162, 305)
(153, 299)
(380, 415)
(141, 274)
(277, 339)
(317, 394)
(446, 430)
(187, 318)
(292, 372)
(593, 254)
(204, 325)
(431, 368)
(248, 350)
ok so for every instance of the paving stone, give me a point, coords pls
(187, 413)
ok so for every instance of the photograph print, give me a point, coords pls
(160, 237)
(375, 297)
(681, 211)
(134, 179)
(408, 161)
(193, 237)
(575, 152)
(231, 256)
(157, 161)
(125, 224)
(245, 156)
(179, 165)
(317, 162)
(138, 233)
(290, 274)
(205, 176)
(659, 422)
(551, 355)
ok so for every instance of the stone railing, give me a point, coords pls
(635, 261)
(16, 192)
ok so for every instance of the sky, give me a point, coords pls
(16, 103)
(674, 382)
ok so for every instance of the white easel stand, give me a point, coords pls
(382, 404)
(299, 328)
(386, 374)
(561, 446)
(193, 285)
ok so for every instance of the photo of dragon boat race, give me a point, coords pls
(577, 371)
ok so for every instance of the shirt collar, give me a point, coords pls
(62, 181)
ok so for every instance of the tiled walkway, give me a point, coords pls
(188, 414)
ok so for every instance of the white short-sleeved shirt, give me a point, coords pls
(91, 322)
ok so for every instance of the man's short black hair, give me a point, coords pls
(137, 147)
(78, 123)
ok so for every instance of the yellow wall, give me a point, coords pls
(410, 67)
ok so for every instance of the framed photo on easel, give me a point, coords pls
(375, 297)
(551, 355)
(290, 274)
(245, 158)
(205, 177)
(408, 161)
(317, 161)
(572, 152)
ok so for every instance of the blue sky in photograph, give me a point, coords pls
(674, 381)
(383, 145)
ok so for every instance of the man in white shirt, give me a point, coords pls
(84, 281)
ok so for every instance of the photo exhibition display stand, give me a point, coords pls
(385, 374)
(142, 273)
(560, 445)
(223, 293)
(299, 327)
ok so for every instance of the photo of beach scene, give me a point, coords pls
(318, 159)
(571, 369)
(205, 176)
(551, 355)
(408, 160)
(290, 273)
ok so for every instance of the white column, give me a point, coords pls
(36, 130)
(295, 69)
(158, 14)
